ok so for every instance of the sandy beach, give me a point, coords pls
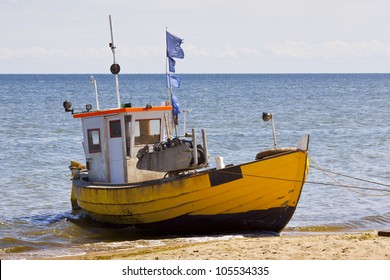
(340, 246)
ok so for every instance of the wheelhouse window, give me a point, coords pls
(94, 143)
(147, 131)
(115, 129)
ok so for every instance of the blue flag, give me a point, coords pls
(175, 81)
(173, 46)
(172, 64)
(175, 110)
(175, 106)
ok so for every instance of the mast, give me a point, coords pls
(115, 68)
(169, 90)
(173, 51)
(170, 102)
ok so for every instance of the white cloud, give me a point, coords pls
(333, 49)
(151, 57)
(253, 35)
(147, 51)
(225, 51)
(45, 53)
(9, 2)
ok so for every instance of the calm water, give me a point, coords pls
(347, 116)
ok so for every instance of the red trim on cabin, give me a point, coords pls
(120, 110)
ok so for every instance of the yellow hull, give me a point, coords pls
(259, 195)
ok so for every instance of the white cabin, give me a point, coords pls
(112, 139)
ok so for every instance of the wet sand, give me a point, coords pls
(323, 246)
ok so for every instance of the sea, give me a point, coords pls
(346, 115)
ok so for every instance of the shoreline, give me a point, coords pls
(368, 245)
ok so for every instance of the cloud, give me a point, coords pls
(40, 52)
(43, 53)
(292, 49)
(295, 49)
(225, 51)
(10, 2)
(371, 55)
(332, 49)
(146, 51)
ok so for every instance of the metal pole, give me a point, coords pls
(184, 121)
(116, 75)
(96, 92)
(117, 91)
(273, 131)
(206, 153)
(194, 148)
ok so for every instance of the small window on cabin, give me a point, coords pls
(147, 131)
(115, 129)
(94, 145)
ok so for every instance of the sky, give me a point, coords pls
(220, 36)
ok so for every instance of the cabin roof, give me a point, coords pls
(120, 110)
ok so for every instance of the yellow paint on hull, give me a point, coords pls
(265, 184)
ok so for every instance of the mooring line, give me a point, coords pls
(351, 177)
(351, 188)
(327, 173)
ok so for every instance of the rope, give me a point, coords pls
(336, 184)
(355, 178)
(351, 188)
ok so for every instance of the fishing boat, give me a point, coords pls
(139, 173)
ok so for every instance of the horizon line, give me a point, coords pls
(215, 73)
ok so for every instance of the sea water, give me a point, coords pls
(346, 115)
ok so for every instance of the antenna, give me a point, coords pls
(266, 117)
(115, 68)
(93, 81)
(185, 112)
